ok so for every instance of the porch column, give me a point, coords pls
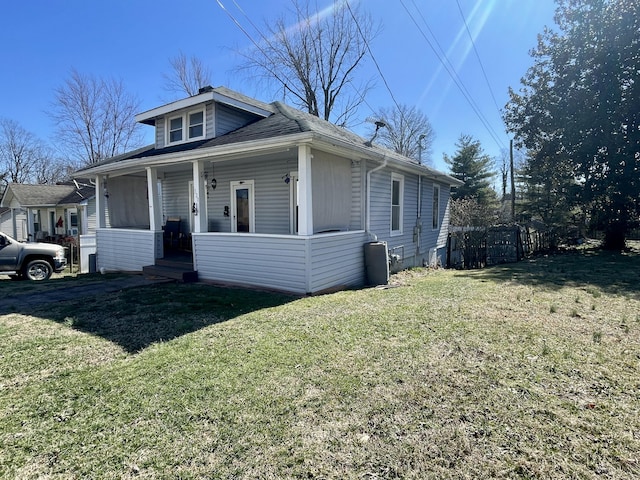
(199, 199)
(155, 209)
(305, 202)
(101, 203)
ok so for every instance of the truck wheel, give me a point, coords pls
(37, 270)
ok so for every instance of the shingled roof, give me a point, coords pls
(29, 195)
(285, 121)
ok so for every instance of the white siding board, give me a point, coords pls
(260, 260)
(229, 119)
(126, 250)
(160, 132)
(337, 260)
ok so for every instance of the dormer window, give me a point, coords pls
(175, 129)
(196, 124)
(195, 128)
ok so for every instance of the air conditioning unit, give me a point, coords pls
(73, 231)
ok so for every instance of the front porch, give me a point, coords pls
(292, 263)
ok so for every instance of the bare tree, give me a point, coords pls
(406, 131)
(314, 57)
(95, 118)
(24, 158)
(187, 75)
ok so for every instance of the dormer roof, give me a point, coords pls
(221, 95)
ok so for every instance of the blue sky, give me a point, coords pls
(42, 40)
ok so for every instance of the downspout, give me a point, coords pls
(368, 220)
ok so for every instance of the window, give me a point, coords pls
(175, 129)
(435, 213)
(397, 194)
(196, 125)
(188, 126)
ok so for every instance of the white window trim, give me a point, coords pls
(169, 142)
(396, 177)
(436, 188)
(185, 126)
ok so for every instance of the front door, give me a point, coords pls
(242, 207)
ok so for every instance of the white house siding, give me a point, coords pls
(290, 263)
(229, 119)
(402, 245)
(91, 216)
(357, 183)
(269, 261)
(159, 132)
(336, 260)
(175, 197)
(380, 222)
(14, 224)
(434, 239)
(272, 194)
(209, 121)
(126, 250)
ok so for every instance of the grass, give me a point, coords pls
(448, 375)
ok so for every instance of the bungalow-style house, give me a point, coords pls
(47, 212)
(265, 195)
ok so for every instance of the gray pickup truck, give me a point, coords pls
(34, 261)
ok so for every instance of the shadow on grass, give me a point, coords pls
(610, 272)
(135, 318)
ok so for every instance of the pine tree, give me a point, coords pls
(471, 165)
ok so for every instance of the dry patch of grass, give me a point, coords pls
(447, 375)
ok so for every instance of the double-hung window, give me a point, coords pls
(196, 125)
(186, 127)
(397, 194)
(175, 130)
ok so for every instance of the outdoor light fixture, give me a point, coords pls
(286, 178)
(214, 183)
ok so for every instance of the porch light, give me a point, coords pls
(214, 183)
(286, 178)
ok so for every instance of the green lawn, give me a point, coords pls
(528, 370)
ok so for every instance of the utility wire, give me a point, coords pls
(386, 84)
(475, 50)
(257, 45)
(442, 57)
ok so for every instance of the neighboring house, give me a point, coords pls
(45, 212)
(267, 196)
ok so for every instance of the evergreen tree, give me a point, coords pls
(471, 165)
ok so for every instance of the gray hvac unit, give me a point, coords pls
(376, 260)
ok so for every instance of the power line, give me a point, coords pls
(386, 84)
(256, 44)
(475, 50)
(453, 74)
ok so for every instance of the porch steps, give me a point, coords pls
(174, 269)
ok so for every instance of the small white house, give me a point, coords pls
(265, 195)
(39, 212)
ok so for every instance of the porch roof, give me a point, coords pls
(286, 127)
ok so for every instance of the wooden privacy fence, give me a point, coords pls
(476, 247)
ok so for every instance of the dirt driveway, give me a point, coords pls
(19, 300)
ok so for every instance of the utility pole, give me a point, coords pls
(513, 183)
